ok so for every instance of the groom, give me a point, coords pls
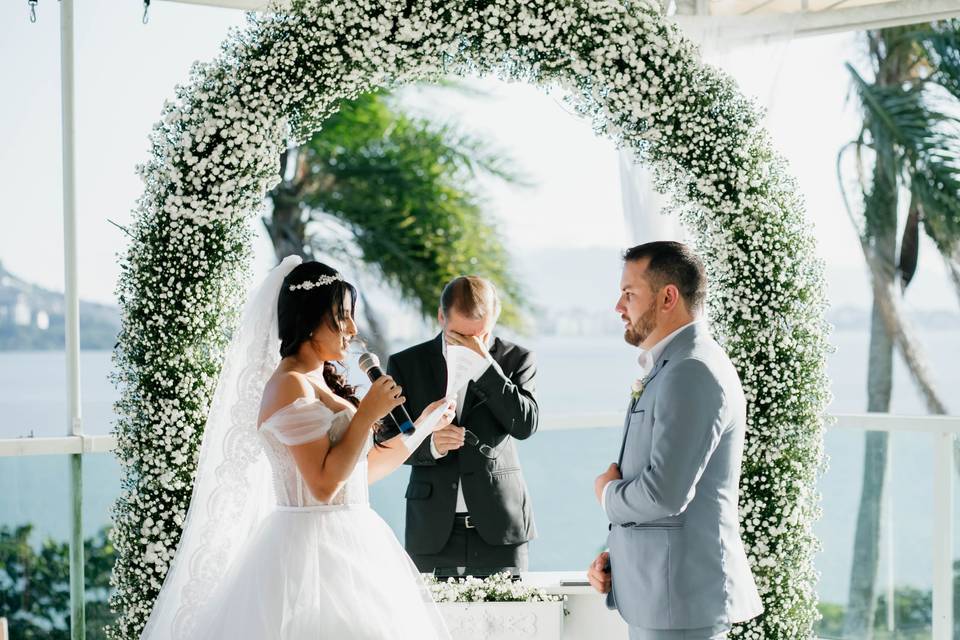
(676, 568)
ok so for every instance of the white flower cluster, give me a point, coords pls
(496, 588)
(215, 152)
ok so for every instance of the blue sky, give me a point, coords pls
(125, 70)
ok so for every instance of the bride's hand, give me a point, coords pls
(384, 395)
(445, 419)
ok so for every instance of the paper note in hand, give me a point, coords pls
(463, 364)
(424, 429)
(431, 420)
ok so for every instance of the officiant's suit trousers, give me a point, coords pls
(500, 408)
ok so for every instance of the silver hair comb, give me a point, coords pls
(319, 282)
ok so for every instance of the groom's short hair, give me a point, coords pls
(471, 296)
(673, 263)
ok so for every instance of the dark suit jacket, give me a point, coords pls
(499, 407)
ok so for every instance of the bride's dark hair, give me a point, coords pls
(301, 311)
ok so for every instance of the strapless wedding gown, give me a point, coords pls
(317, 570)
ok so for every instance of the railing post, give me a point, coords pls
(891, 550)
(943, 537)
(71, 301)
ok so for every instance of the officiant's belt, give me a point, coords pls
(464, 521)
(320, 508)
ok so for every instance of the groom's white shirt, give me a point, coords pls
(647, 361)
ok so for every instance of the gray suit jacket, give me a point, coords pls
(676, 557)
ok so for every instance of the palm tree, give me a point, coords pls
(907, 153)
(381, 190)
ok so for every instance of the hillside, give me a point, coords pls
(31, 318)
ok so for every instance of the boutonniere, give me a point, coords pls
(636, 389)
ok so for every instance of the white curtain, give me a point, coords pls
(756, 68)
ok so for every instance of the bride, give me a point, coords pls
(312, 560)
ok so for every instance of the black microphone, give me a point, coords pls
(370, 365)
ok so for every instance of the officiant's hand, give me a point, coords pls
(448, 439)
(612, 473)
(477, 344)
(599, 573)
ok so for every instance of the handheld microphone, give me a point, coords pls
(370, 365)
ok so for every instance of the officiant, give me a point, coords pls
(467, 502)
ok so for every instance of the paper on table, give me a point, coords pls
(463, 364)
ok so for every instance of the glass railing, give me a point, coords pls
(895, 527)
(559, 465)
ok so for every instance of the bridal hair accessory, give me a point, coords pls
(319, 282)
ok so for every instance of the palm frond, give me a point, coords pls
(407, 191)
(921, 143)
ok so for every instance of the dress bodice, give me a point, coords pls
(305, 420)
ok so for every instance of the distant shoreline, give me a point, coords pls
(943, 322)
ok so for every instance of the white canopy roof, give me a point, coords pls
(765, 19)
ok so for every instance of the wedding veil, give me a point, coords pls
(232, 491)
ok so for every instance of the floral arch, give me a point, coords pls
(623, 65)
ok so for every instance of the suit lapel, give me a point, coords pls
(682, 339)
(633, 405)
(626, 430)
(439, 368)
(656, 370)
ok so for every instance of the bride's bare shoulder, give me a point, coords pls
(283, 389)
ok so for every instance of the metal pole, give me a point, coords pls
(943, 538)
(72, 316)
(891, 589)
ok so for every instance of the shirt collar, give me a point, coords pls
(648, 357)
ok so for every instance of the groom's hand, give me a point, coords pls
(612, 473)
(599, 573)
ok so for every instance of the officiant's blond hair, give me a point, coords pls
(471, 296)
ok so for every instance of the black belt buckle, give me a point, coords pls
(467, 523)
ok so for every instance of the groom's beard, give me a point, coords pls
(642, 328)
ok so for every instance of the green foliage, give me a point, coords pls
(912, 611)
(911, 130)
(909, 143)
(831, 620)
(406, 189)
(35, 585)
(913, 614)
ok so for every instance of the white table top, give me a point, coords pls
(550, 581)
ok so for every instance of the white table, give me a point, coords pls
(589, 617)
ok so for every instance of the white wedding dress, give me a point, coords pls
(317, 570)
(259, 558)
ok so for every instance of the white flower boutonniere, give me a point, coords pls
(636, 389)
